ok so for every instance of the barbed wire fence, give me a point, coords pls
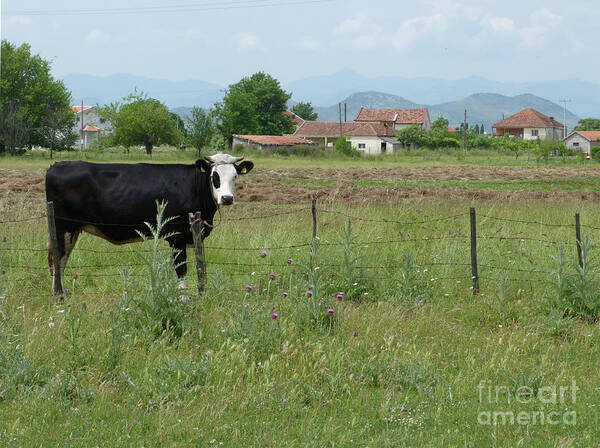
(375, 271)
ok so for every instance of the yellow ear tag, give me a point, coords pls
(243, 171)
(202, 169)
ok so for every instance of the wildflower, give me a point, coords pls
(4, 239)
(330, 312)
(272, 275)
(75, 276)
(308, 293)
(289, 261)
(311, 286)
(355, 334)
(249, 288)
(274, 316)
(339, 296)
(3, 271)
(285, 294)
(264, 253)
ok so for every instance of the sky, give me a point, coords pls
(223, 40)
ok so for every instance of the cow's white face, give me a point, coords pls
(223, 171)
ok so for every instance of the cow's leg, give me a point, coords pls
(70, 240)
(66, 243)
(180, 263)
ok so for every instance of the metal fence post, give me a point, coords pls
(196, 227)
(314, 217)
(474, 274)
(578, 236)
(57, 288)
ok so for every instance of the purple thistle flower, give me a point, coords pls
(264, 253)
(75, 276)
(308, 293)
(285, 294)
(330, 312)
(289, 261)
(3, 271)
(249, 288)
(355, 334)
(272, 275)
(4, 239)
(311, 286)
(274, 315)
(339, 296)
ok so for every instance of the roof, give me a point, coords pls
(451, 129)
(332, 129)
(591, 136)
(77, 109)
(91, 128)
(398, 116)
(528, 118)
(293, 117)
(273, 140)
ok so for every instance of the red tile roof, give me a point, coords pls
(451, 129)
(293, 117)
(592, 136)
(77, 109)
(398, 116)
(528, 118)
(91, 128)
(332, 129)
(273, 140)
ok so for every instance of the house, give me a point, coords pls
(269, 141)
(529, 124)
(395, 118)
(370, 138)
(582, 141)
(91, 127)
(297, 120)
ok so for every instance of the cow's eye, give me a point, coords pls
(216, 179)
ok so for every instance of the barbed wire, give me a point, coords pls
(32, 218)
(391, 221)
(497, 218)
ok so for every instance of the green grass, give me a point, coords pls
(409, 377)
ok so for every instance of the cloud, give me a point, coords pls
(248, 42)
(97, 37)
(348, 26)
(307, 44)
(419, 28)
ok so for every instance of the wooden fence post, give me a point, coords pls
(474, 274)
(578, 236)
(196, 227)
(57, 288)
(314, 217)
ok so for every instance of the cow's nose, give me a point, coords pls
(227, 199)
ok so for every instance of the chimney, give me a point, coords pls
(552, 118)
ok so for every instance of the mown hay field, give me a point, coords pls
(408, 356)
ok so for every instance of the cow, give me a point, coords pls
(114, 200)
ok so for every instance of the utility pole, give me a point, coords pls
(81, 148)
(464, 133)
(564, 101)
(340, 116)
(345, 110)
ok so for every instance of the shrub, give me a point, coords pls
(343, 146)
(595, 152)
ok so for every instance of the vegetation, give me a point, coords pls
(143, 121)
(305, 111)
(34, 107)
(202, 127)
(407, 356)
(254, 105)
(588, 124)
(343, 146)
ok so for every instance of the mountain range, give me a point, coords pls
(446, 97)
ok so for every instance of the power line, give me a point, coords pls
(211, 6)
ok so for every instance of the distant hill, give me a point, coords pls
(106, 89)
(482, 108)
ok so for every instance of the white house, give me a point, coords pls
(582, 140)
(529, 124)
(369, 138)
(91, 127)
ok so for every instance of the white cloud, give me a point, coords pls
(97, 37)
(366, 41)
(419, 28)
(248, 42)
(348, 26)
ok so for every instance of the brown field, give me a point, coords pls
(264, 186)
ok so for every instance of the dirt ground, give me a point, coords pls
(264, 186)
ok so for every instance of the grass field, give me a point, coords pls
(409, 356)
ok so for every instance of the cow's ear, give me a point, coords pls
(203, 165)
(244, 167)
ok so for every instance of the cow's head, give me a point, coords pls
(223, 170)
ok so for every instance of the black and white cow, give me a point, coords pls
(114, 200)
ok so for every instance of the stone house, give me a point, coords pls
(582, 141)
(529, 124)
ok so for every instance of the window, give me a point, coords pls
(535, 132)
(575, 144)
(362, 146)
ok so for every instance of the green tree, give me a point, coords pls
(179, 123)
(29, 98)
(201, 125)
(254, 105)
(413, 135)
(305, 111)
(588, 124)
(343, 146)
(145, 121)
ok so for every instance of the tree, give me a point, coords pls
(343, 146)
(179, 123)
(27, 93)
(56, 121)
(201, 126)
(254, 105)
(305, 111)
(413, 135)
(588, 124)
(145, 121)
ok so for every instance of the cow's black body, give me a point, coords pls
(114, 200)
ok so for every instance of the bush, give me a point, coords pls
(343, 146)
(595, 152)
